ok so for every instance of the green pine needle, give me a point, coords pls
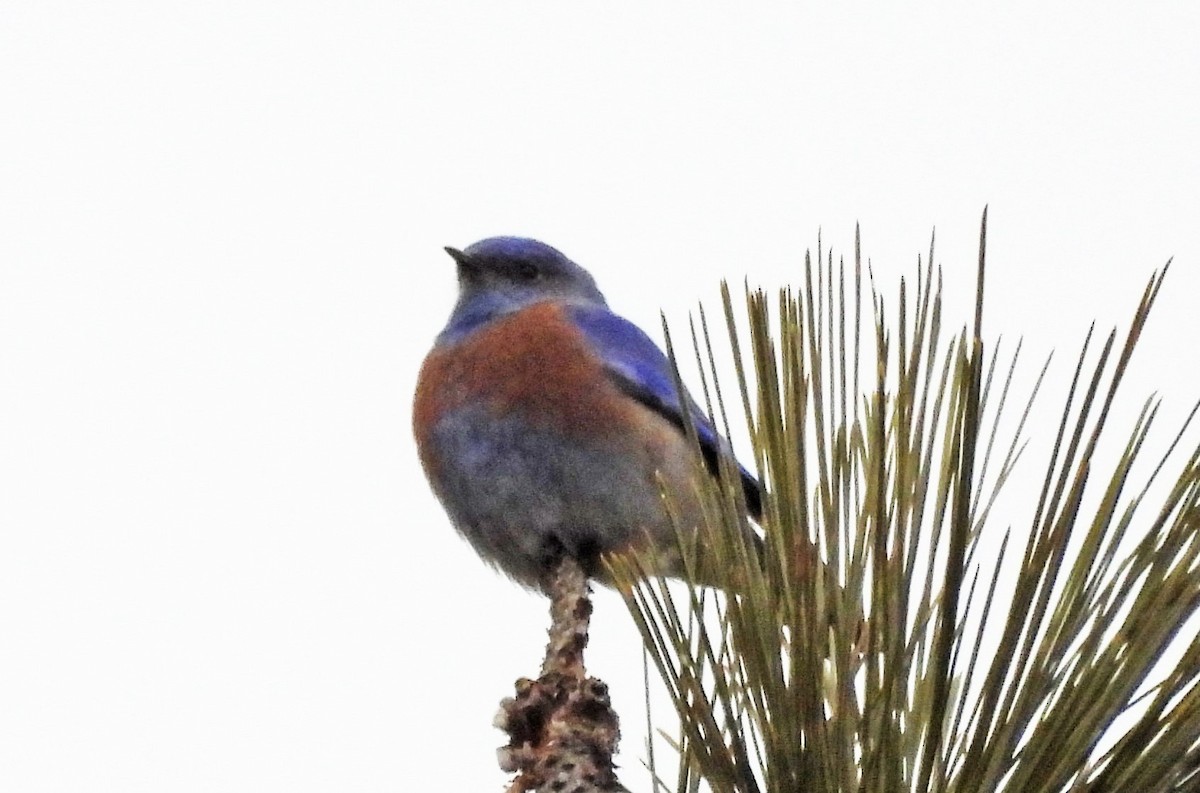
(882, 646)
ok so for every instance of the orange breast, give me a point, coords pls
(535, 363)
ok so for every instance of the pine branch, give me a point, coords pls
(562, 728)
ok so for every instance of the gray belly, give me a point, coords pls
(521, 493)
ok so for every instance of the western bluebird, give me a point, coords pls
(548, 425)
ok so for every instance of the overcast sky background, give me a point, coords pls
(220, 266)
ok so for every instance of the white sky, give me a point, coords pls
(220, 265)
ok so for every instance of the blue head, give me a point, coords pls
(500, 275)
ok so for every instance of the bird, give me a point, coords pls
(550, 426)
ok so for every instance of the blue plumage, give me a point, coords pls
(548, 425)
(644, 372)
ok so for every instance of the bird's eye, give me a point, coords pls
(527, 272)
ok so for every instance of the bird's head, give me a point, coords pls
(500, 275)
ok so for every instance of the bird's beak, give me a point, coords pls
(468, 267)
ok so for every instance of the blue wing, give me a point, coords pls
(640, 369)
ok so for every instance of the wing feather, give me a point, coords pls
(641, 370)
